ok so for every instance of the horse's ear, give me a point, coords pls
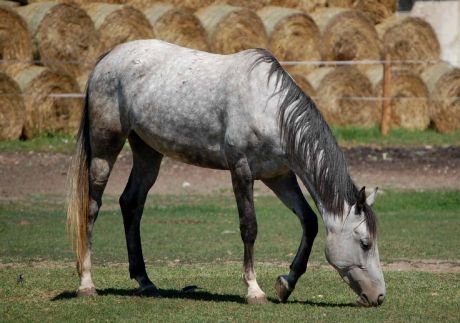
(361, 198)
(371, 198)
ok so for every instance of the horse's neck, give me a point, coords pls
(338, 179)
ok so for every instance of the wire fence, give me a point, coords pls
(284, 63)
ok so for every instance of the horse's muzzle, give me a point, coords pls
(365, 301)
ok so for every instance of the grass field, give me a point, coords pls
(194, 240)
(349, 136)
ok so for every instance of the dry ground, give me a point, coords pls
(23, 174)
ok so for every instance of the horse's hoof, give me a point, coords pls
(147, 291)
(282, 289)
(256, 300)
(87, 292)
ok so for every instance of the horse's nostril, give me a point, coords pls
(364, 300)
(380, 299)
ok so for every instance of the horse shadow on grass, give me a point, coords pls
(198, 295)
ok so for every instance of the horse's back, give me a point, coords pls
(185, 103)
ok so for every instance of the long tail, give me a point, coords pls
(78, 190)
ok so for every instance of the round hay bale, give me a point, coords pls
(232, 29)
(340, 3)
(305, 5)
(409, 38)
(390, 5)
(250, 4)
(15, 40)
(117, 24)
(304, 84)
(347, 35)
(409, 102)
(12, 108)
(178, 26)
(443, 82)
(341, 94)
(45, 113)
(293, 36)
(375, 10)
(190, 5)
(63, 36)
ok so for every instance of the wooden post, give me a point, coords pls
(386, 103)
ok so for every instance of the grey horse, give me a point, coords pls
(241, 113)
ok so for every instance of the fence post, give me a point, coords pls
(385, 124)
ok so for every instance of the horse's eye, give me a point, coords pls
(364, 245)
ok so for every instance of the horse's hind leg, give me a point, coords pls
(146, 164)
(243, 188)
(288, 191)
(103, 156)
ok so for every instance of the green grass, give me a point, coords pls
(352, 136)
(46, 143)
(194, 240)
(47, 294)
(349, 136)
(196, 229)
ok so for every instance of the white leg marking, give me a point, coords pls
(86, 281)
(254, 290)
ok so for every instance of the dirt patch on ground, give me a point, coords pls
(23, 174)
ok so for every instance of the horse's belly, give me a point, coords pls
(198, 149)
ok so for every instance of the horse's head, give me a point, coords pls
(351, 248)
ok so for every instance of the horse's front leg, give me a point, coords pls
(243, 183)
(288, 191)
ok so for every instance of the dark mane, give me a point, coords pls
(309, 142)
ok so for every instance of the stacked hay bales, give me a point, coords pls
(232, 29)
(443, 81)
(409, 38)
(347, 35)
(15, 40)
(64, 37)
(12, 108)
(409, 98)
(293, 36)
(341, 95)
(45, 113)
(117, 24)
(176, 25)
